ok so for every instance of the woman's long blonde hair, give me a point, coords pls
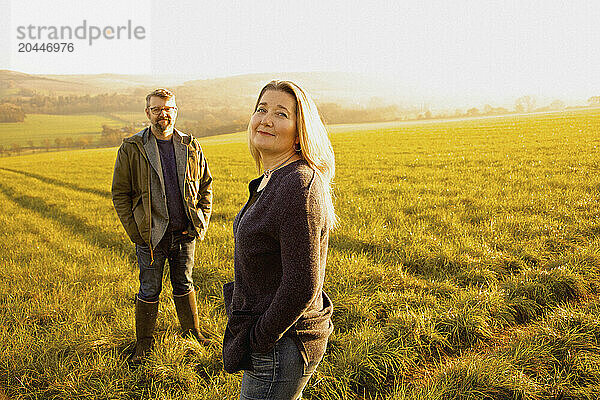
(315, 146)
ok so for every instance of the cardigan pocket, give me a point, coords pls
(236, 341)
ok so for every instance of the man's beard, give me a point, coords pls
(163, 128)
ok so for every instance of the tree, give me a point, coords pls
(471, 112)
(525, 104)
(59, 142)
(17, 148)
(69, 142)
(112, 136)
(89, 140)
(46, 144)
(83, 142)
(594, 101)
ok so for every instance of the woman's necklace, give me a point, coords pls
(269, 171)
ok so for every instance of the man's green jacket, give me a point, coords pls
(138, 191)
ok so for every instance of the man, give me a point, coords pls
(162, 192)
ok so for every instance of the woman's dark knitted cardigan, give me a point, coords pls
(280, 253)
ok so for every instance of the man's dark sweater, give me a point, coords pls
(281, 244)
(178, 221)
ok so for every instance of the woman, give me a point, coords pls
(279, 317)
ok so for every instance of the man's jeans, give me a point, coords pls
(277, 375)
(179, 250)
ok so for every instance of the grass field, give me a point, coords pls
(466, 266)
(38, 127)
(129, 116)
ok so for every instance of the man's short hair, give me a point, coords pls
(160, 92)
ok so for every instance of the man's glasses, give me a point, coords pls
(157, 110)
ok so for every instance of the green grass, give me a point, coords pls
(38, 127)
(466, 266)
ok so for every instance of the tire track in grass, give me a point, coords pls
(103, 193)
(73, 223)
(43, 296)
(48, 245)
(53, 242)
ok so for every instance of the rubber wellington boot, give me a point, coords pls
(145, 321)
(187, 312)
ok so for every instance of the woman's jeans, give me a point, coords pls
(277, 375)
(179, 249)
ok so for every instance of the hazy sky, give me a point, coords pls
(452, 48)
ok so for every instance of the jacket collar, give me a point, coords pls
(146, 141)
(181, 155)
(151, 148)
(143, 136)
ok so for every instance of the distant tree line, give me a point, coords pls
(204, 114)
(58, 143)
(42, 104)
(11, 113)
(334, 113)
(114, 136)
(524, 104)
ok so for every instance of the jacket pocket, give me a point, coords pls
(139, 215)
(193, 165)
(138, 228)
(192, 188)
(137, 200)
